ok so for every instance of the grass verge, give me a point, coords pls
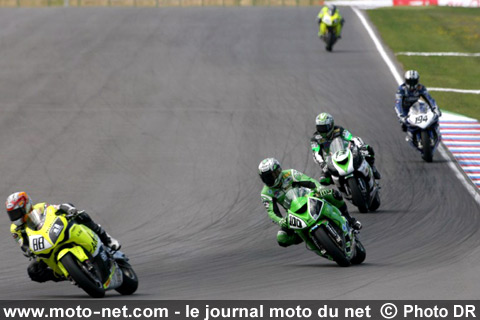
(437, 29)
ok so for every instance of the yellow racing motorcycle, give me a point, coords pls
(330, 26)
(75, 252)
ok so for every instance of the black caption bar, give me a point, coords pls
(226, 309)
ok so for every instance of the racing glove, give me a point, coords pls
(28, 253)
(67, 209)
(283, 223)
(403, 122)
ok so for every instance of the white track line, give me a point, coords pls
(379, 46)
(471, 189)
(455, 90)
(438, 54)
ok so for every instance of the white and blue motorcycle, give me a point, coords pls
(424, 133)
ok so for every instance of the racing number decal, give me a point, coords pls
(420, 119)
(296, 223)
(38, 244)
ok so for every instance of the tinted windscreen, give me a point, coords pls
(315, 208)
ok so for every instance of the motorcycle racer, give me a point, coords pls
(408, 93)
(336, 17)
(19, 205)
(320, 143)
(278, 182)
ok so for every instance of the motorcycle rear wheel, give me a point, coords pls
(357, 196)
(427, 154)
(130, 280)
(85, 279)
(375, 203)
(331, 247)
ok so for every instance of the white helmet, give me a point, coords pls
(411, 79)
(18, 205)
(270, 172)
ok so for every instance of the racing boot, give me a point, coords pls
(376, 174)
(370, 158)
(38, 271)
(286, 238)
(108, 240)
(354, 223)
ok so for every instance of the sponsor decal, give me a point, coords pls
(103, 255)
(266, 204)
(57, 229)
(297, 175)
(324, 192)
(286, 183)
(346, 134)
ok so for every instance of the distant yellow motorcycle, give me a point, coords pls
(75, 252)
(330, 26)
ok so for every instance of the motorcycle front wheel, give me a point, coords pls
(322, 236)
(86, 279)
(360, 253)
(357, 196)
(329, 40)
(427, 154)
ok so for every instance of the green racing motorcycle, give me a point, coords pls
(323, 228)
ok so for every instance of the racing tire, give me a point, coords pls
(427, 153)
(130, 280)
(330, 41)
(360, 253)
(323, 237)
(83, 277)
(375, 203)
(357, 196)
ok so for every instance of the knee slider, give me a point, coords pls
(283, 239)
(37, 271)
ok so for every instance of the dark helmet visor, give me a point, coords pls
(324, 128)
(270, 177)
(411, 82)
(16, 214)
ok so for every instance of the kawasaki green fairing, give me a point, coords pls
(308, 214)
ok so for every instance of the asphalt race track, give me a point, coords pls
(155, 120)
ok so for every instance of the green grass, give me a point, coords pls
(437, 29)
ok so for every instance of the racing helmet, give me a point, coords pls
(18, 205)
(411, 79)
(325, 125)
(331, 9)
(270, 172)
